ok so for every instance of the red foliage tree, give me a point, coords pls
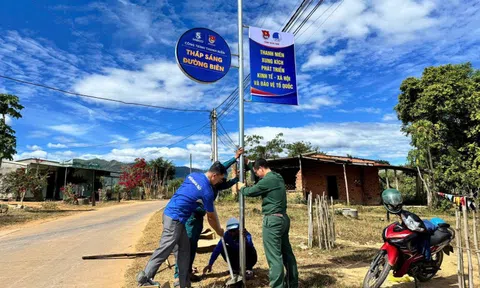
(136, 175)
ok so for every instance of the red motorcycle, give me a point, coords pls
(402, 251)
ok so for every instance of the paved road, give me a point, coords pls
(49, 254)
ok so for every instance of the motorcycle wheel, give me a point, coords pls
(378, 271)
(437, 260)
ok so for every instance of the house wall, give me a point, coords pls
(363, 183)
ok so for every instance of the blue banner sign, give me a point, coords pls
(203, 55)
(272, 67)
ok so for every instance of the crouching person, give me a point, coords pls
(232, 238)
(196, 187)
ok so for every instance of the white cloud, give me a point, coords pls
(141, 22)
(63, 155)
(71, 129)
(35, 154)
(316, 61)
(400, 20)
(63, 139)
(370, 110)
(38, 134)
(390, 117)
(158, 83)
(375, 140)
(8, 120)
(58, 146)
(34, 147)
(162, 137)
(318, 102)
(92, 114)
(119, 139)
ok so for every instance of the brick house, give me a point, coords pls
(332, 174)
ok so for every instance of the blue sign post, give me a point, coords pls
(272, 67)
(203, 55)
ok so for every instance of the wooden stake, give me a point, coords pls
(346, 184)
(323, 224)
(333, 219)
(310, 221)
(318, 224)
(458, 238)
(325, 209)
(467, 245)
(475, 238)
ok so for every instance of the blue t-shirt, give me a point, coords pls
(195, 187)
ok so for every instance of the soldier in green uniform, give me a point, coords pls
(276, 225)
(194, 224)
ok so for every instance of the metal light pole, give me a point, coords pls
(240, 137)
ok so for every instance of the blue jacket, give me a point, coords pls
(230, 242)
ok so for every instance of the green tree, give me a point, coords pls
(272, 149)
(172, 186)
(20, 181)
(9, 106)
(441, 113)
(161, 171)
(301, 147)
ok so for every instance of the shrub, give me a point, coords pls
(69, 196)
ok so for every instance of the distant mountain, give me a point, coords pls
(183, 171)
(116, 166)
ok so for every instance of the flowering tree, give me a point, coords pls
(69, 194)
(136, 176)
(20, 181)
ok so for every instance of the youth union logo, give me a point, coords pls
(276, 36)
(211, 39)
(266, 34)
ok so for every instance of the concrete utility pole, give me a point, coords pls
(214, 120)
(241, 137)
(190, 163)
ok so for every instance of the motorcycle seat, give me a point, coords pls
(443, 225)
(440, 236)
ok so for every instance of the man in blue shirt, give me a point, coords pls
(194, 224)
(196, 187)
(231, 238)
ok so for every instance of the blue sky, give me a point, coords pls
(350, 63)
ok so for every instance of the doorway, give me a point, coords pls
(332, 186)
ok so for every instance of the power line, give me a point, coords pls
(100, 98)
(288, 18)
(227, 144)
(138, 139)
(341, 2)
(263, 11)
(226, 133)
(185, 138)
(305, 30)
(300, 15)
(299, 27)
(295, 16)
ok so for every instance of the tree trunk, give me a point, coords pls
(434, 187)
(22, 197)
(429, 195)
(3, 132)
